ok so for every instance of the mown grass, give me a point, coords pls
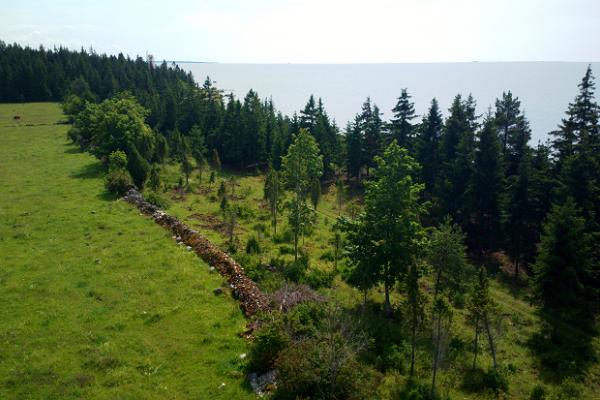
(97, 301)
(519, 319)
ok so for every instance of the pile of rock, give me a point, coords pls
(251, 299)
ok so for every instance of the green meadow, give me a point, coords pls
(97, 301)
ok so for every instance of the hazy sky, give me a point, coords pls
(314, 31)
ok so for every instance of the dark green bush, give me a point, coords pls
(479, 380)
(253, 246)
(316, 278)
(158, 200)
(269, 341)
(538, 393)
(118, 181)
(414, 390)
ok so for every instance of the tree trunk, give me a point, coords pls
(476, 344)
(490, 340)
(413, 343)
(436, 354)
(388, 304)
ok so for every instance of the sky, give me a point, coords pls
(313, 31)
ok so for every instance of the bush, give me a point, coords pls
(296, 270)
(287, 236)
(253, 246)
(314, 369)
(315, 278)
(479, 380)
(269, 341)
(138, 167)
(158, 200)
(414, 390)
(117, 160)
(538, 393)
(118, 181)
(567, 390)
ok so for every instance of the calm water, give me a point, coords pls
(545, 88)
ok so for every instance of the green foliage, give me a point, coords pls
(157, 199)
(301, 167)
(115, 124)
(447, 255)
(563, 281)
(138, 167)
(538, 393)
(388, 236)
(479, 380)
(154, 180)
(117, 160)
(267, 344)
(118, 181)
(253, 246)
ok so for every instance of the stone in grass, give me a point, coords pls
(263, 383)
(218, 291)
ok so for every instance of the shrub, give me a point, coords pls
(315, 278)
(538, 393)
(158, 200)
(269, 341)
(138, 167)
(414, 390)
(117, 160)
(253, 246)
(567, 390)
(325, 367)
(118, 181)
(479, 380)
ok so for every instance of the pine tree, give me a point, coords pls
(481, 314)
(400, 125)
(427, 144)
(507, 116)
(562, 272)
(391, 222)
(272, 195)
(415, 305)
(447, 256)
(300, 168)
(308, 116)
(485, 188)
(354, 149)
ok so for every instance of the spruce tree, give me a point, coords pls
(427, 143)
(400, 125)
(354, 149)
(563, 279)
(485, 188)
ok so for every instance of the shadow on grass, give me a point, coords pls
(566, 351)
(72, 150)
(93, 170)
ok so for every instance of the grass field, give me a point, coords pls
(96, 301)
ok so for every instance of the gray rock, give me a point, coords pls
(218, 291)
(263, 383)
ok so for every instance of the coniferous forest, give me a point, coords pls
(434, 212)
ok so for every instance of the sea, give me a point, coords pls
(544, 88)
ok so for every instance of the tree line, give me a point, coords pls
(474, 180)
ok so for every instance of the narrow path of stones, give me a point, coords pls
(244, 289)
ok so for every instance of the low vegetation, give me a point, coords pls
(98, 302)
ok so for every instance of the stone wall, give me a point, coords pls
(244, 289)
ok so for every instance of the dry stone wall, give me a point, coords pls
(251, 299)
